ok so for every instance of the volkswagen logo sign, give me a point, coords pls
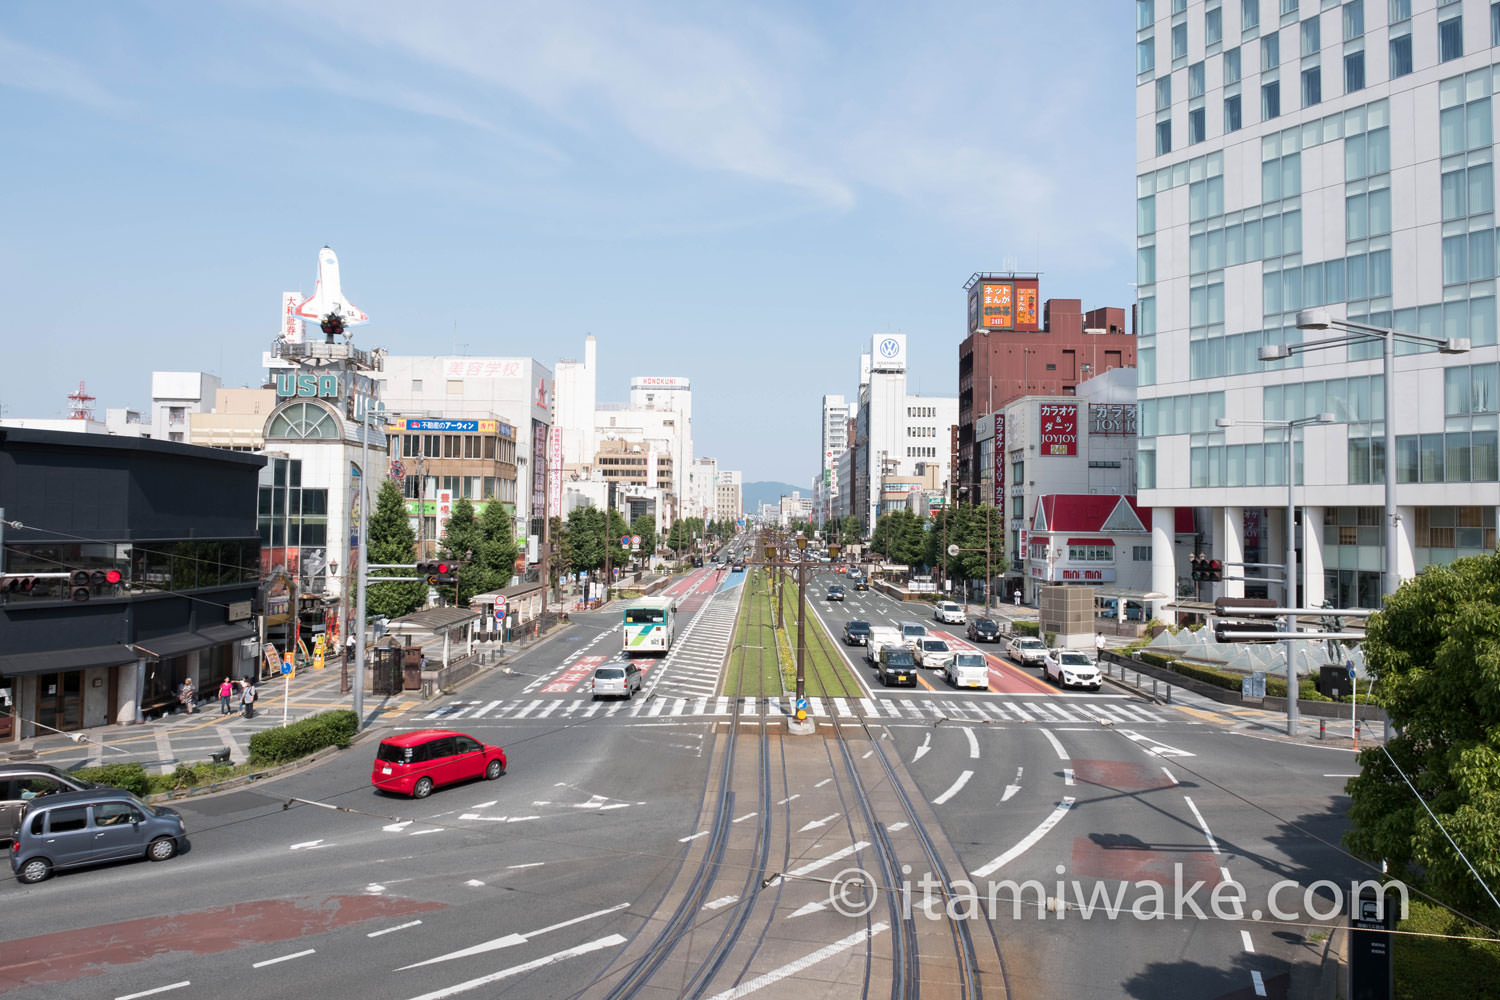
(890, 347)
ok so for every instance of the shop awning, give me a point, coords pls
(78, 658)
(1091, 541)
(217, 635)
(164, 647)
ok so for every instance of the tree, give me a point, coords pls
(392, 541)
(899, 536)
(645, 526)
(583, 540)
(849, 530)
(494, 561)
(1435, 653)
(461, 539)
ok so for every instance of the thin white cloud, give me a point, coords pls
(25, 68)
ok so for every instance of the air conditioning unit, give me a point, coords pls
(249, 648)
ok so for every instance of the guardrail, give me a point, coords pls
(1119, 671)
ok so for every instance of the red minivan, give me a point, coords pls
(415, 763)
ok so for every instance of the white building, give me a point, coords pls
(174, 395)
(729, 495)
(703, 498)
(649, 441)
(1315, 155)
(835, 440)
(577, 383)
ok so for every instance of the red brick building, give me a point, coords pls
(1012, 352)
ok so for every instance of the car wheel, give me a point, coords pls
(493, 770)
(161, 849)
(34, 870)
(422, 789)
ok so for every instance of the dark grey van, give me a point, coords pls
(74, 829)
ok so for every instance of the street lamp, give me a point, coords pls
(1291, 549)
(1319, 319)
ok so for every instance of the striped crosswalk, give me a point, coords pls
(1044, 711)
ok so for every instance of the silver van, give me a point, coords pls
(73, 829)
(912, 633)
(20, 783)
(617, 680)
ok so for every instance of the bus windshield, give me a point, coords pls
(644, 616)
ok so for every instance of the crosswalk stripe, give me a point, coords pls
(1021, 713)
(532, 707)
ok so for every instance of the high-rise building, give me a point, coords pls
(729, 492)
(835, 441)
(1311, 155)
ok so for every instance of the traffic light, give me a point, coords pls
(1199, 565)
(430, 570)
(81, 582)
(20, 584)
(1215, 571)
(448, 571)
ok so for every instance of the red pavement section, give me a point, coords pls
(92, 951)
(570, 678)
(1005, 677)
(1123, 857)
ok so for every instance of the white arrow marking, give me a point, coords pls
(807, 908)
(476, 818)
(922, 750)
(720, 903)
(973, 743)
(513, 939)
(896, 827)
(1009, 791)
(819, 822)
(954, 789)
(397, 827)
(494, 977)
(792, 968)
(307, 844)
(474, 882)
(789, 798)
(1028, 841)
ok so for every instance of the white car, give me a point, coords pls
(1070, 668)
(935, 654)
(950, 613)
(1027, 650)
(968, 670)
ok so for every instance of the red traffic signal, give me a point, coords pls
(1215, 571)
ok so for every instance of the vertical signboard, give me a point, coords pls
(444, 512)
(291, 323)
(1027, 315)
(554, 475)
(1000, 461)
(539, 436)
(1058, 426)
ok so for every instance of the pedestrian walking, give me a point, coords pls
(226, 691)
(189, 696)
(1017, 598)
(247, 699)
(1098, 644)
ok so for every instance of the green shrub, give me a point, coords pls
(326, 729)
(131, 777)
(1025, 627)
(1219, 678)
(1156, 659)
(1051, 640)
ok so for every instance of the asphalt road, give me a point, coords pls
(540, 883)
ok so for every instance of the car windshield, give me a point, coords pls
(934, 646)
(1072, 659)
(1032, 644)
(609, 673)
(983, 623)
(898, 658)
(859, 626)
(393, 754)
(969, 660)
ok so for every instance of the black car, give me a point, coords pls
(861, 585)
(835, 593)
(984, 630)
(856, 633)
(897, 666)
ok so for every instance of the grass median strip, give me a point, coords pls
(769, 654)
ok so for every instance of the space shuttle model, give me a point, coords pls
(327, 305)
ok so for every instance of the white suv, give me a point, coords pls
(950, 613)
(1070, 668)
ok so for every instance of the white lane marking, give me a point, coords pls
(746, 816)
(1249, 945)
(822, 783)
(813, 866)
(307, 845)
(435, 829)
(922, 750)
(896, 827)
(819, 822)
(1028, 841)
(159, 989)
(1170, 776)
(1067, 776)
(1056, 744)
(954, 789)
(973, 743)
(509, 940)
(789, 798)
(392, 930)
(807, 908)
(284, 958)
(516, 970)
(532, 864)
(792, 968)
(867, 754)
(1340, 775)
(1258, 983)
(720, 903)
(1212, 843)
(484, 805)
(398, 826)
(1014, 788)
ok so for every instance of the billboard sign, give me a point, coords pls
(291, 323)
(660, 382)
(554, 475)
(1000, 461)
(290, 384)
(1027, 314)
(888, 352)
(997, 305)
(484, 368)
(1058, 426)
(444, 510)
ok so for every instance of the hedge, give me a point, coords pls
(305, 736)
(1024, 627)
(131, 777)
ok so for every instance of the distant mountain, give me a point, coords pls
(756, 494)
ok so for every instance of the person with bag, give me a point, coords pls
(226, 691)
(189, 696)
(247, 699)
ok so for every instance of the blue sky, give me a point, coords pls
(737, 193)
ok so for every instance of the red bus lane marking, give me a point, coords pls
(1005, 677)
(1124, 857)
(568, 679)
(92, 951)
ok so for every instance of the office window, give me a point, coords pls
(1164, 93)
(1312, 87)
(1232, 122)
(1179, 42)
(1145, 13)
(1270, 52)
(1179, 6)
(1195, 80)
(1400, 10)
(1450, 38)
(1145, 266)
(1495, 24)
(1310, 39)
(1354, 72)
(1481, 186)
(1232, 66)
(1354, 19)
(1145, 215)
(1145, 56)
(1380, 212)
(1288, 7)
(1196, 126)
(1213, 26)
(1481, 258)
(1249, 13)
(1454, 201)
(1400, 56)
(1163, 137)
(1270, 101)
(1356, 217)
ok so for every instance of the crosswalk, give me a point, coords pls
(1047, 711)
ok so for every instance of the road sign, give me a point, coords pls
(318, 648)
(624, 539)
(398, 471)
(801, 709)
(286, 664)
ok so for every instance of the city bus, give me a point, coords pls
(649, 625)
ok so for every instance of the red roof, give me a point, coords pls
(1088, 512)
